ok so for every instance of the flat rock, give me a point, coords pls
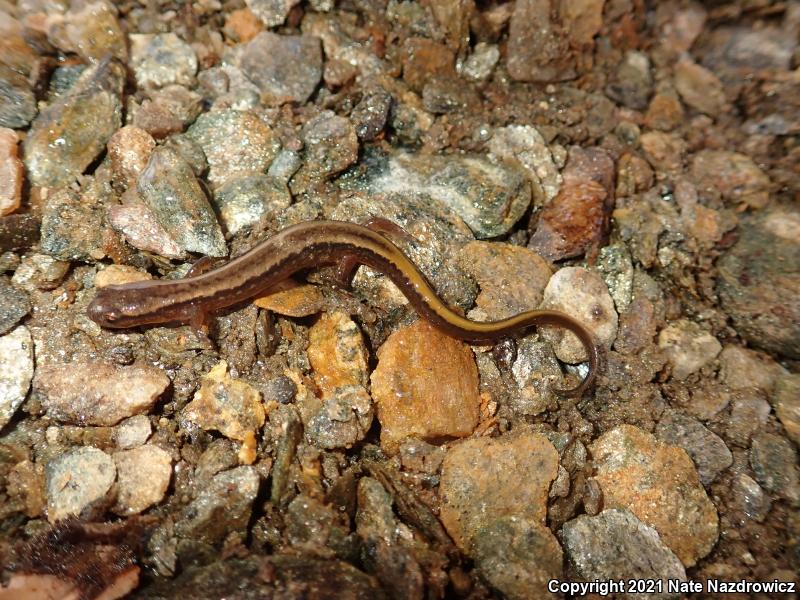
(68, 135)
(341, 413)
(518, 557)
(688, 347)
(489, 196)
(141, 228)
(758, 273)
(161, 59)
(485, 479)
(16, 371)
(223, 506)
(143, 475)
(11, 174)
(169, 188)
(616, 545)
(425, 385)
(235, 143)
(286, 68)
(76, 480)
(584, 295)
(83, 393)
(73, 226)
(707, 450)
(632, 83)
(660, 485)
(745, 369)
(577, 218)
(14, 305)
(750, 498)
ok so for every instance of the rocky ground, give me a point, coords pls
(633, 164)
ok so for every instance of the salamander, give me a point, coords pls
(302, 246)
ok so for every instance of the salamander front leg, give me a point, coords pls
(346, 267)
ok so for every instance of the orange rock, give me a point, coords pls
(660, 485)
(118, 274)
(425, 385)
(512, 278)
(10, 172)
(292, 300)
(337, 353)
(242, 25)
(485, 479)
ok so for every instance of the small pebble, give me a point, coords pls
(749, 413)
(284, 67)
(143, 475)
(330, 146)
(787, 405)
(731, 175)
(91, 393)
(582, 294)
(76, 480)
(129, 150)
(750, 498)
(235, 143)
(16, 371)
(710, 454)
(632, 83)
(132, 432)
(119, 274)
(479, 65)
(14, 305)
(664, 151)
(242, 201)
(40, 272)
(11, 173)
(271, 12)
(525, 144)
(89, 29)
(688, 347)
(161, 59)
(221, 507)
(341, 413)
(774, 461)
(17, 101)
(425, 386)
(699, 87)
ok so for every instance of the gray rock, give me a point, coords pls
(749, 413)
(222, 507)
(14, 305)
(688, 347)
(774, 462)
(617, 545)
(709, 453)
(758, 274)
(369, 116)
(73, 228)
(787, 405)
(632, 84)
(91, 393)
(518, 557)
(489, 196)
(17, 102)
(330, 146)
(143, 476)
(162, 59)
(40, 272)
(89, 29)
(234, 142)
(284, 67)
(479, 65)
(750, 498)
(77, 481)
(616, 267)
(169, 188)
(16, 371)
(271, 12)
(242, 201)
(68, 135)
